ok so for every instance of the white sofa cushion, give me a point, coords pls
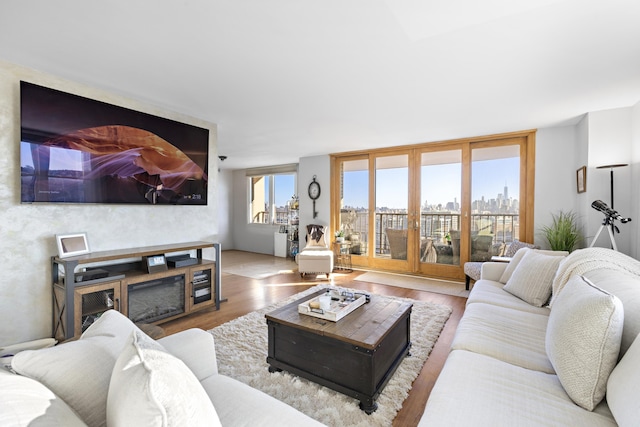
(532, 278)
(513, 336)
(196, 349)
(26, 402)
(622, 385)
(583, 339)
(480, 391)
(79, 371)
(151, 387)
(625, 286)
(238, 404)
(511, 265)
(490, 292)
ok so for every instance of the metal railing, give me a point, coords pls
(502, 227)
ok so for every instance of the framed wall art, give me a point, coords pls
(72, 244)
(581, 179)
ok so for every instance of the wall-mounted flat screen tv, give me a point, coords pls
(79, 150)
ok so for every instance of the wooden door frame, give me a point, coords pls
(526, 141)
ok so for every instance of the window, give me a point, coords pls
(429, 208)
(269, 197)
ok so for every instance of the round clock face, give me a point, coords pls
(314, 190)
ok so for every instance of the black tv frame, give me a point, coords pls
(49, 116)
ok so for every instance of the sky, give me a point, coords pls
(489, 179)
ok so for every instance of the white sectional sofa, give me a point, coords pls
(562, 353)
(115, 375)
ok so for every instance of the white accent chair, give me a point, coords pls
(316, 257)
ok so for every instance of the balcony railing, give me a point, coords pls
(502, 227)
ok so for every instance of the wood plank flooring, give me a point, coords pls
(245, 295)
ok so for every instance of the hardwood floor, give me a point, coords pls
(245, 295)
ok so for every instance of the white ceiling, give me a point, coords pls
(285, 79)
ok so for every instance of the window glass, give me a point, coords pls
(269, 196)
(354, 207)
(495, 194)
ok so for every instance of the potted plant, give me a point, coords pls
(447, 238)
(563, 233)
(339, 236)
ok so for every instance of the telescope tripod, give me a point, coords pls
(611, 228)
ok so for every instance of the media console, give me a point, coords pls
(152, 284)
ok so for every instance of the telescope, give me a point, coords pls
(601, 206)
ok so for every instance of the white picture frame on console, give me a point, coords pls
(72, 244)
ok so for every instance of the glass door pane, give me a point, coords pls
(440, 198)
(354, 205)
(392, 197)
(495, 194)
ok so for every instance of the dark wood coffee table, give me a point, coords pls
(356, 356)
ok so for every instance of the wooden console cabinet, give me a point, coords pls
(80, 295)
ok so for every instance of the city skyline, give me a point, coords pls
(394, 196)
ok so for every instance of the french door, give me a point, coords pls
(428, 209)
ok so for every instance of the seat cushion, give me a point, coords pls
(621, 386)
(513, 336)
(480, 391)
(238, 404)
(583, 339)
(491, 292)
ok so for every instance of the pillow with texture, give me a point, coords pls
(151, 387)
(511, 266)
(315, 236)
(79, 371)
(583, 340)
(515, 246)
(532, 279)
(624, 378)
(25, 402)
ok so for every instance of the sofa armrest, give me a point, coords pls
(492, 270)
(196, 349)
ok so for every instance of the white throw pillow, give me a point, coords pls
(79, 371)
(583, 340)
(532, 278)
(508, 271)
(150, 387)
(622, 385)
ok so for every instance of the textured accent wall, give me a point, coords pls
(27, 231)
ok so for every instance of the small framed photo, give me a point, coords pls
(581, 179)
(283, 229)
(72, 244)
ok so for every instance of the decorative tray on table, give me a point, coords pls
(342, 303)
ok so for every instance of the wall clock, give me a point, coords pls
(314, 193)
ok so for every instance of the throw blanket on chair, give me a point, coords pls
(584, 260)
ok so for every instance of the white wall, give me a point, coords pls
(248, 237)
(555, 180)
(320, 166)
(27, 230)
(225, 209)
(635, 179)
(610, 143)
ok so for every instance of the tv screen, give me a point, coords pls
(79, 150)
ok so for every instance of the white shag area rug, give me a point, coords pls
(241, 349)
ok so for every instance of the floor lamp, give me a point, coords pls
(612, 167)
